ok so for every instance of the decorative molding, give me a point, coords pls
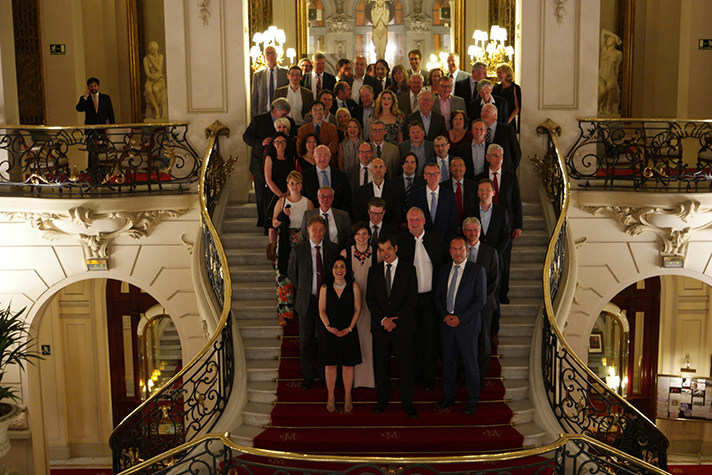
(340, 48)
(95, 246)
(188, 245)
(559, 11)
(204, 11)
(340, 22)
(418, 21)
(217, 128)
(637, 221)
(553, 62)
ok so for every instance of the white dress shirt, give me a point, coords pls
(423, 266)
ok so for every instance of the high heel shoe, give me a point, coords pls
(282, 322)
(348, 406)
(331, 405)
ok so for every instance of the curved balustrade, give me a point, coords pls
(650, 153)
(580, 400)
(216, 454)
(126, 158)
(193, 400)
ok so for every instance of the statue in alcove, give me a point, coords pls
(155, 87)
(608, 91)
(380, 13)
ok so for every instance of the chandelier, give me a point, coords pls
(490, 51)
(272, 36)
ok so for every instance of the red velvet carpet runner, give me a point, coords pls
(301, 423)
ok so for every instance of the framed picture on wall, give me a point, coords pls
(595, 342)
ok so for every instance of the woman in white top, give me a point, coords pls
(287, 218)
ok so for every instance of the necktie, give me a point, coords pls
(326, 229)
(383, 84)
(488, 136)
(95, 98)
(415, 107)
(374, 237)
(472, 254)
(318, 84)
(325, 178)
(317, 131)
(451, 291)
(378, 151)
(433, 206)
(365, 175)
(495, 199)
(458, 197)
(443, 169)
(452, 77)
(409, 183)
(319, 276)
(388, 279)
(271, 84)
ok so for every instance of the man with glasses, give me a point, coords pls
(325, 175)
(360, 174)
(382, 149)
(445, 102)
(416, 143)
(408, 101)
(300, 98)
(438, 204)
(432, 122)
(266, 81)
(376, 212)
(414, 58)
(338, 222)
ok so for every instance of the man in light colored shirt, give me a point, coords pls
(300, 98)
(484, 97)
(337, 222)
(266, 81)
(408, 101)
(445, 102)
(442, 156)
(453, 68)
(416, 143)
(415, 57)
(474, 152)
(364, 112)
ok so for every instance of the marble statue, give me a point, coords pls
(155, 87)
(608, 91)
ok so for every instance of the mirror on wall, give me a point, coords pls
(159, 352)
(608, 349)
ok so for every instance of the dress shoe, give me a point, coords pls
(380, 407)
(494, 340)
(442, 405)
(410, 410)
(470, 409)
(348, 406)
(307, 383)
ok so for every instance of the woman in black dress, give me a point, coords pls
(277, 167)
(339, 309)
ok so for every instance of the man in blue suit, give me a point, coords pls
(439, 204)
(460, 295)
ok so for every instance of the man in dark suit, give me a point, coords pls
(96, 106)
(441, 144)
(337, 222)
(438, 204)
(415, 56)
(409, 180)
(391, 296)
(383, 70)
(376, 212)
(467, 88)
(408, 101)
(360, 174)
(465, 190)
(318, 79)
(424, 249)
(416, 143)
(324, 175)
(378, 188)
(360, 78)
(266, 81)
(460, 295)
(307, 263)
(485, 96)
(504, 135)
(433, 123)
(300, 98)
(487, 257)
(342, 98)
(508, 196)
(258, 135)
(474, 153)
(364, 111)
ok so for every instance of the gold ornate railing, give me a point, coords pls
(217, 454)
(193, 400)
(581, 401)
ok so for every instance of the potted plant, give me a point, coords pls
(15, 348)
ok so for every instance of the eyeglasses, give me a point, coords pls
(432, 173)
(280, 142)
(375, 213)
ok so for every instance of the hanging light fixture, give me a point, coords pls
(272, 36)
(490, 49)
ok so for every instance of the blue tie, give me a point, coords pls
(325, 178)
(451, 291)
(443, 170)
(271, 84)
(433, 206)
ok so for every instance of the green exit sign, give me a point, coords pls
(57, 49)
(704, 44)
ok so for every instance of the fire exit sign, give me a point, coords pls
(704, 44)
(57, 49)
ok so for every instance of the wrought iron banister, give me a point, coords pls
(218, 454)
(651, 154)
(192, 401)
(96, 159)
(580, 400)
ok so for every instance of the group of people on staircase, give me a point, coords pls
(423, 270)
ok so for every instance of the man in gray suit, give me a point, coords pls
(307, 264)
(445, 102)
(266, 81)
(337, 222)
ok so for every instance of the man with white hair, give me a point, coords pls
(503, 135)
(485, 96)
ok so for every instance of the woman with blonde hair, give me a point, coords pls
(511, 92)
(386, 109)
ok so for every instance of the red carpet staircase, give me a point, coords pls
(282, 416)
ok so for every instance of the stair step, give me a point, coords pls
(516, 389)
(254, 291)
(531, 209)
(253, 273)
(259, 328)
(245, 434)
(527, 254)
(533, 223)
(516, 326)
(263, 309)
(262, 391)
(244, 241)
(514, 346)
(522, 307)
(257, 413)
(533, 237)
(526, 271)
(237, 257)
(525, 289)
(242, 225)
(514, 368)
(534, 436)
(262, 370)
(245, 210)
(523, 411)
(262, 348)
